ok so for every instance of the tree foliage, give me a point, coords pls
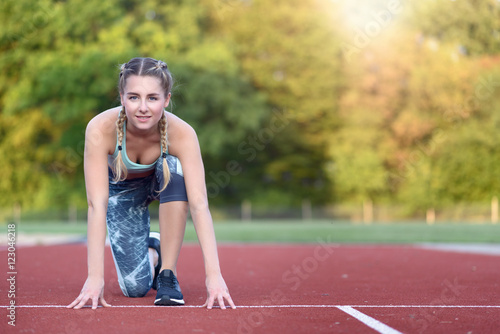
(282, 114)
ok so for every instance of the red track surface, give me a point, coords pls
(282, 276)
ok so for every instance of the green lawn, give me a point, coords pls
(299, 231)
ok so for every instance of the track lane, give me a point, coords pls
(351, 275)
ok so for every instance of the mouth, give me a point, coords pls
(143, 118)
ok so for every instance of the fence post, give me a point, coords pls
(17, 213)
(246, 210)
(494, 210)
(430, 216)
(367, 211)
(306, 210)
(72, 213)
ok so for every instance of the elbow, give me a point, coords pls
(96, 206)
(198, 207)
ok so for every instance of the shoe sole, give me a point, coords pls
(155, 235)
(165, 300)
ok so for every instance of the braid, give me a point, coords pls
(163, 125)
(119, 168)
(160, 65)
(144, 67)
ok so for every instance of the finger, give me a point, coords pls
(220, 300)
(95, 302)
(104, 303)
(210, 302)
(82, 303)
(76, 301)
(230, 301)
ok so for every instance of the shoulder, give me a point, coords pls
(181, 135)
(101, 130)
(105, 120)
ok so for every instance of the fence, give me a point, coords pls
(364, 213)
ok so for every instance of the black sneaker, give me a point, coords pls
(169, 291)
(154, 242)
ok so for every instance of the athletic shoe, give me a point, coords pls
(154, 242)
(169, 291)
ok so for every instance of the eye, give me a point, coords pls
(153, 98)
(132, 98)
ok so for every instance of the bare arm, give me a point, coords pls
(187, 149)
(194, 173)
(96, 182)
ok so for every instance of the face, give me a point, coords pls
(144, 101)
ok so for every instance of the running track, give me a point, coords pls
(317, 288)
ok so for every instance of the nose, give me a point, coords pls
(143, 107)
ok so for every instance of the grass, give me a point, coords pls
(314, 231)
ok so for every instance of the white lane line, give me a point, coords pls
(276, 306)
(369, 321)
(183, 306)
(425, 306)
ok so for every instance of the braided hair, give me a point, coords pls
(143, 67)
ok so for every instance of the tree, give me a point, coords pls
(452, 22)
(62, 60)
(290, 51)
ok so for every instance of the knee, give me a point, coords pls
(135, 291)
(135, 288)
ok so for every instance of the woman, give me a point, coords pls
(135, 154)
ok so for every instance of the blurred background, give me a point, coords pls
(354, 111)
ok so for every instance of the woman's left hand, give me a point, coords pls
(217, 291)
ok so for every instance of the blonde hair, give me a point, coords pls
(143, 67)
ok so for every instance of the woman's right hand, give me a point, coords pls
(93, 290)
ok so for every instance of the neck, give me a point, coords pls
(141, 132)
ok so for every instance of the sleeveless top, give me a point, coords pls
(131, 166)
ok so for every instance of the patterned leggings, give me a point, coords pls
(128, 223)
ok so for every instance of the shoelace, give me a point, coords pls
(170, 282)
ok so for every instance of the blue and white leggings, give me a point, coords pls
(128, 223)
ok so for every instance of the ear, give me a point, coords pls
(167, 100)
(121, 99)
